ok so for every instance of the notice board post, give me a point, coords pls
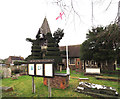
(41, 68)
(33, 85)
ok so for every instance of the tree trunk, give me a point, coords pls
(84, 65)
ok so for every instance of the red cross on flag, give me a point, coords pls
(60, 16)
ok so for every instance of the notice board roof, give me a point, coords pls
(41, 61)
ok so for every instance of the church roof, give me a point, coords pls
(45, 27)
(73, 51)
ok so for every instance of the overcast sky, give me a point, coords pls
(21, 19)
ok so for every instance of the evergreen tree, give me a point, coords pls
(58, 35)
(36, 50)
(102, 45)
(53, 51)
(36, 46)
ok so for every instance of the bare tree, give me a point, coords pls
(70, 6)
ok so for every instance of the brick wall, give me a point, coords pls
(59, 82)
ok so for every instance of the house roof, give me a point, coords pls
(16, 58)
(73, 51)
(45, 27)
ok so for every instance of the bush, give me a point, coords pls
(16, 71)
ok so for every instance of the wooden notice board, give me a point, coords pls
(41, 68)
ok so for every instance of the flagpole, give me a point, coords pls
(67, 69)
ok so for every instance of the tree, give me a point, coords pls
(71, 7)
(52, 42)
(19, 62)
(53, 51)
(85, 52)
(36, 46)
(102, 45)
(111, 40)
(58, 35)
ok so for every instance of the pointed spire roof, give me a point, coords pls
(45, 27)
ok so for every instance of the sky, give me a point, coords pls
(21, 19)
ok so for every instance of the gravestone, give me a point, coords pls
(6, 89)
(83, 79)
(6, 72)
(92, 71)
(96, 90)
(14, 77)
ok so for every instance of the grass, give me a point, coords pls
(1, 71)
(23, 86)
(117, 68)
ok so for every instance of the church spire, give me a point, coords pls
(45, 27)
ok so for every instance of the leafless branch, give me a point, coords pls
(108, 6)
(69, 7)
(74, 9)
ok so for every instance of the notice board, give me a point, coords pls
(41, 68)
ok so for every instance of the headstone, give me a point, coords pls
(6, 72)
(92, 71)
(83, 79)
(6, 89)
(14, 77)
(60, 68)
(75, 77)
(101, 90)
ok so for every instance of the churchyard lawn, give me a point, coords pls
(23, 86)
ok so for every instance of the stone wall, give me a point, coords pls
(59, 81)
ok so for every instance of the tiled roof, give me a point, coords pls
(73, 51)
(16, 58)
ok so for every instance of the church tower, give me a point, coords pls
(39, 45)
(45, 27)
(44, 30)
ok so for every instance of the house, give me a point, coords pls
(73, 57)
(12, 59)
